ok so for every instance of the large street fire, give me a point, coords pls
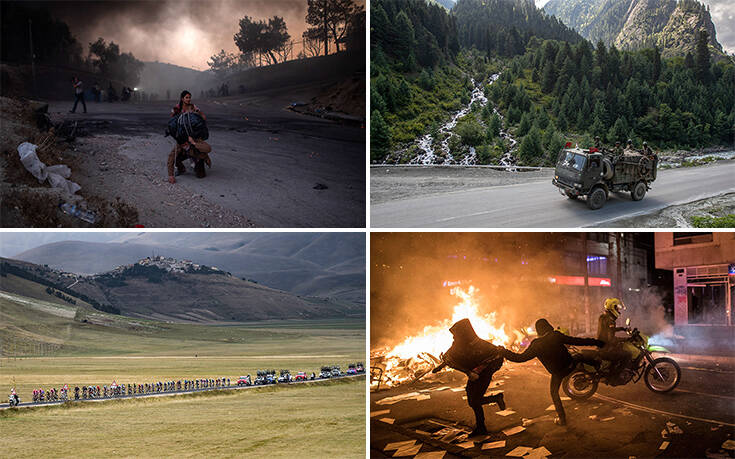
(419, 354)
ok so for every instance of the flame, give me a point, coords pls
(418, 354)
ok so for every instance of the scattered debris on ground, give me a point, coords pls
(27, 203)
(344, 101)
(708, 211)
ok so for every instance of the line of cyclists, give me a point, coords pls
(126, 390)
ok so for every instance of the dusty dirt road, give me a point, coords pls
(432, 197)
(271, 167)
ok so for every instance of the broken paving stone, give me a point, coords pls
(528, 422)
(441, 388)
(396, 445)
(550, 408)
(593, 417)
(494, 444)
(538, 453)
(566, 399)
(664, 445)
(457, 389)
(673, 428)
(387, 420)
(519, 451)
(729, 445)
(423, 397)
(467, 444)
(505, 412)
(514, 430)
(397, 398)
(378, 413)
(607, 419)
(431, 455)
(408, 451)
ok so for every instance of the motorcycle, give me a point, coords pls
(13, 400)
(661, 375)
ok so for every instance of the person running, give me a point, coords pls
(550, 349)
(78, 95)
(196, 149)
(479, 360)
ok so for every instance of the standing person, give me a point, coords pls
(479, 360)
(196, 149)
(78, 94)
(550, 350)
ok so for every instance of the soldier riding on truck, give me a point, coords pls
(597, 172)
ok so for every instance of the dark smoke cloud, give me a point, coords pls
(181, 32)
(511, 270)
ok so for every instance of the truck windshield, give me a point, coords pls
(574, 161)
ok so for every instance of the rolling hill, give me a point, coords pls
(310, 264)
(201, 295)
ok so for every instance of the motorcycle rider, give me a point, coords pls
(479, 360)
(613, 350)
(550, 350)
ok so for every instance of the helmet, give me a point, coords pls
(614, 306)
(645, 143)
(630, 140)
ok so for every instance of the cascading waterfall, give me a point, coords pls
(428, 157)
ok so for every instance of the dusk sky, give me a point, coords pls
(181, 32)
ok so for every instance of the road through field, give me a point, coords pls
(539, 204)
(4, 406)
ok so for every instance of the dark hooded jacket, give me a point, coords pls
(550, 349)
(468, 351)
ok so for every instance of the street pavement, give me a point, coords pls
(624, 421)
(539, 204)
(273, 166)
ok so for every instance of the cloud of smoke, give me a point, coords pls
(185, 33)
(512, 272)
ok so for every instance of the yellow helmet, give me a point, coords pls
(614, 306)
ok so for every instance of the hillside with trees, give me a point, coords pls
(553, 86)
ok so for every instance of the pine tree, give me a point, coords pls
(656, 64)
(376, 101)
(618, 132)
(493, 128)
(701, 62)
(548, 77)
(531, 148)
(379, 137)
(524, 125)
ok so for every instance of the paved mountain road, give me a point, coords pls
(538, 203)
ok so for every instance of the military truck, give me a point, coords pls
(596, 174)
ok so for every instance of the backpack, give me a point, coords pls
(181, 126)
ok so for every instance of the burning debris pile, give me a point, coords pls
(417, 355)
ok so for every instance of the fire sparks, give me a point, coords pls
(419, 354)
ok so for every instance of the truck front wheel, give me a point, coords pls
(596, 199)
(639, 190)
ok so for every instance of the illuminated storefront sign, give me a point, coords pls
(579, 280)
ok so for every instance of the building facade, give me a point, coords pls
(703, 264)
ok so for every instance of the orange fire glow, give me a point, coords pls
(406, 361)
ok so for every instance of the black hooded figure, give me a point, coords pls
(550, 350)
(479, 360)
